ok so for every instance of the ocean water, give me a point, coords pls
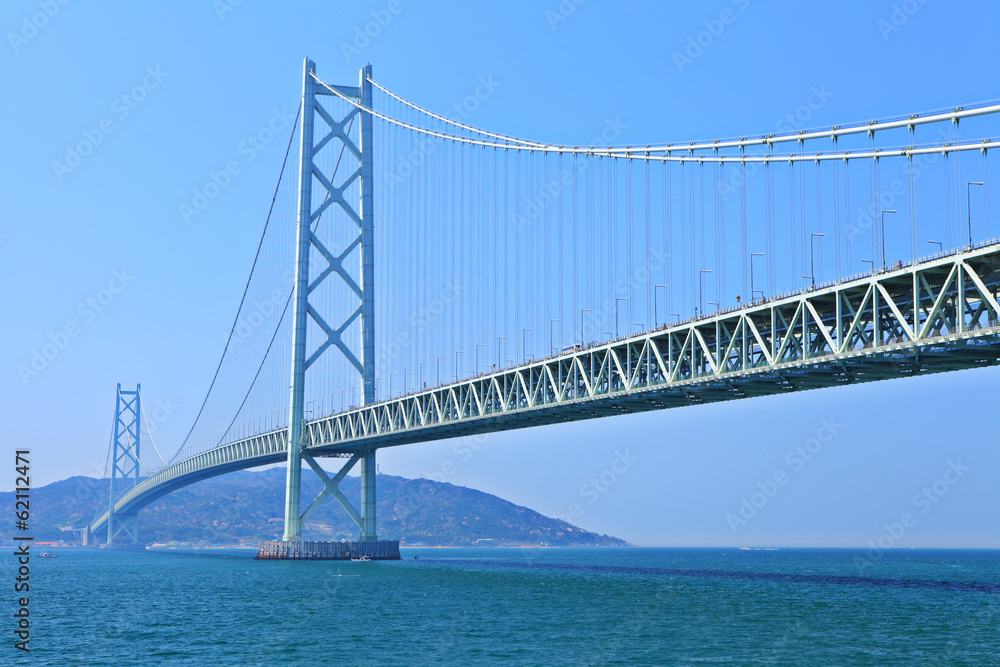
(518, 606)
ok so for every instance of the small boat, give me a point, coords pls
(46, 554)
(363, 559)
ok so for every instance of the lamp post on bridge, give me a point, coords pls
(404, 378)
(656, 317)
(421, 372)
(499, 358)
(439, 360)
(457, 373)
(478, 345)
(752, 290)
(968, 203)
(621, 298)
(938, 244)
(890, 210)
(524, 343)
(677, 315)
(552, 348)
(812, 264)
(701, 288)
(391, 375)
(870, 261)
(585, 310)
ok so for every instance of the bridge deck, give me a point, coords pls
(937, 315)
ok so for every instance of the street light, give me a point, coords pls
(457, 374)
(552, 349)
(621, 298)
(421, 371)
(677, 315)
(524, 344)
(714, 303)
(390, 383)
(439, 360)
(656, 319)
(752, 290)
(938, 244)
(870, 261)
(404, 378)
(812, 265)
(498, 348)
(585, 310)
(890, 210)
(968, 204)
(478, 345)
(701, 287)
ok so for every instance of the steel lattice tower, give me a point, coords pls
(310, 172)
(124, 459)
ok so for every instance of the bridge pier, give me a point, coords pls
(308, 550)
(368, 533)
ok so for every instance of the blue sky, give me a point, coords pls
(199, 77)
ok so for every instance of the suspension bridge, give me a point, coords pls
(555, 283)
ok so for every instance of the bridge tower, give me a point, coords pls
(124, 461)
(314, 117)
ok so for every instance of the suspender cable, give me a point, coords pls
(836, 213)
(913, 201)
(743, 227)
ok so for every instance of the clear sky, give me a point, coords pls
(210, 73)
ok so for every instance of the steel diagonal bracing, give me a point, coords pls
(873, 328)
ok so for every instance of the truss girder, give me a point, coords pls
(934, 316)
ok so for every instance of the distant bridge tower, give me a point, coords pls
(310, 173)
(124, 461)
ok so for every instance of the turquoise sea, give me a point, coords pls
(517, 606)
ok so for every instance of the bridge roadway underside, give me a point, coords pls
(934, 316)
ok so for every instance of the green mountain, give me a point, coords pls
(243, 507)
